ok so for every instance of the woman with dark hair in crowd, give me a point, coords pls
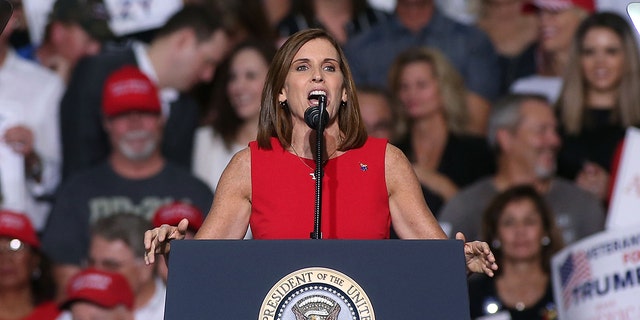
(599, 101)
(26, 283)
(521, 230)
(237, 106)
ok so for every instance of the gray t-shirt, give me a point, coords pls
(578, 213)
(100, 192)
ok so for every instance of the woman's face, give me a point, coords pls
(17, 262)
(314, 69)
(247, 74)
(602, 58)
(520, 230)
(419, 91)
(557, 28)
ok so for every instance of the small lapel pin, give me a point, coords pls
(363, 167)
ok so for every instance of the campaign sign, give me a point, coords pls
(624, 209)
(131, 16)
(598, 278)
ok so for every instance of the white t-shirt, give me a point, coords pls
(154, 309)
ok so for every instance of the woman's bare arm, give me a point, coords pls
(229, 214)
(410, 214)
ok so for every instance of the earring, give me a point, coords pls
(545, 241)
(36, 273)
(284, 104)
(496, 244)
(343, 103)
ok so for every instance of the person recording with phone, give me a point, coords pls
(368, 182)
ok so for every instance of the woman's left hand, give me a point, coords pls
(478, 256)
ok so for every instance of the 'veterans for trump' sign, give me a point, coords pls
(599, 277)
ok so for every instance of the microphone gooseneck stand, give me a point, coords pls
(317, 122)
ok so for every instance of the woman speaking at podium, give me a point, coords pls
(270, 185)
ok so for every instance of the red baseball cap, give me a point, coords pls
(128, 89)
(106, 289)
(17, 225)
(557, 5)
(173, 212)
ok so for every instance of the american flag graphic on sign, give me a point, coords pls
(574, 271)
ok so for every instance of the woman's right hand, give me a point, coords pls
(156, 241)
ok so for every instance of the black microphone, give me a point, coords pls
(312, 114)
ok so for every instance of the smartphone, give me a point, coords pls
(633, 9)
(6, 9)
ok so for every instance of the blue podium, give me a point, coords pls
(317, 279)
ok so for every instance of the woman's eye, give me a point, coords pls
(587, 52)
(330, 68)
(301, 68)
(613, 51)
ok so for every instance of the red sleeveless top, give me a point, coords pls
(355, 201)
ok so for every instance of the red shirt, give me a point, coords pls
(355, 203)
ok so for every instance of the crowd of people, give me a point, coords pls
(498, 129)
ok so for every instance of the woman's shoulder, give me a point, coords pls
(239, 166)
(395, 160)
(241, 157)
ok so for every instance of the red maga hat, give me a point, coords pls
(17, 225)
(128, 89)
(173, 212)
(103, 288)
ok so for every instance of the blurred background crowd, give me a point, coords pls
(120, 115)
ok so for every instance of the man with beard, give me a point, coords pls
(136, 178)
(523, 134)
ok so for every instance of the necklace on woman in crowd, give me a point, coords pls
(313, 171)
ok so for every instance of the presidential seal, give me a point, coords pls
(316, 294)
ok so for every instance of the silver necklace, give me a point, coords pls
(313, 171)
